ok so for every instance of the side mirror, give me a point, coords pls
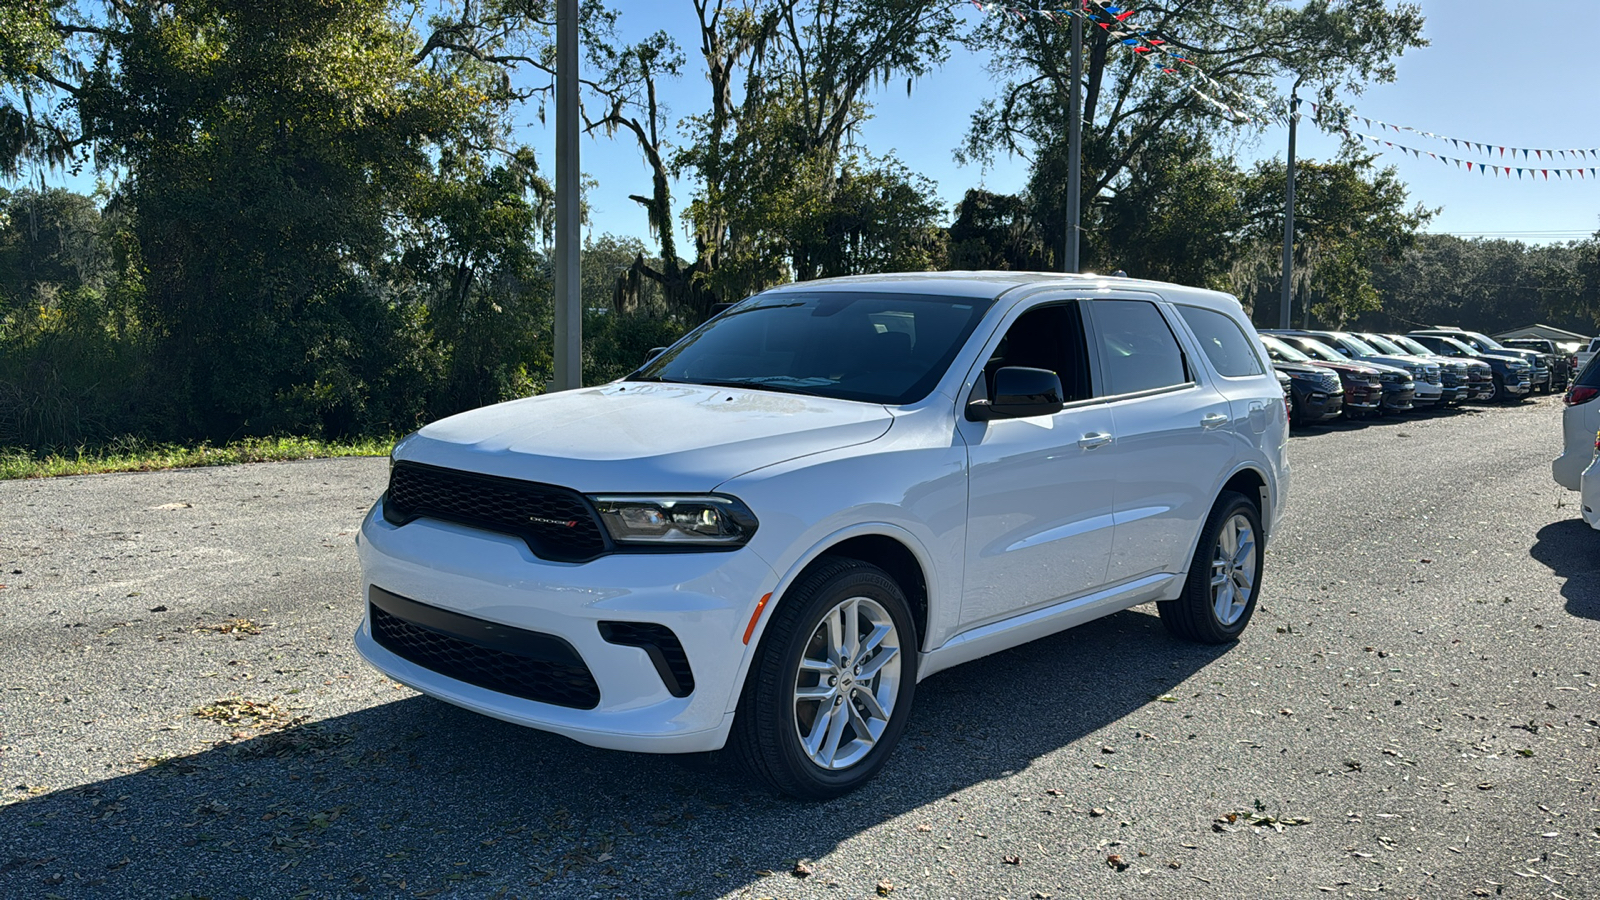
(1019, 393)
(653, 353)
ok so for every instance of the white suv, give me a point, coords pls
(772, 531)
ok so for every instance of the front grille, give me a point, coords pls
(556, 523)
(1432, 376)
(513, 661)
(1330, 383)
(661, 645)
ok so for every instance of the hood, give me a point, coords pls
(1408, 363)
(1352, 368)
(638, 437)
(1300, 367)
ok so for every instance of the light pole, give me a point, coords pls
(1070, 261)
(1288, 213)
(568, 305)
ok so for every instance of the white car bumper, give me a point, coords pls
(706, 599)
(1590, 493)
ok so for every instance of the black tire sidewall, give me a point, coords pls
(1196, 618)
(772, 700)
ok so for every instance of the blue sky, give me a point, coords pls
(1472, 82)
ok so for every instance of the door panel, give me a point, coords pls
(1167, 463)
(1174, 435)
(1040, 489)
(1040, 513)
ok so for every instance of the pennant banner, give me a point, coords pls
(1585, 172)
(1342, 118)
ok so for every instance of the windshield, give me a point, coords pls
(1464, 349)
(873, 346)
(1282, 352)
(1482, 341)
(1357, 346)
(1317, 349)
(1384, 344)
(1410, 345)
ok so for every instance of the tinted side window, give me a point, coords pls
(1225, 345)
(1136, 348)
(1047, 337)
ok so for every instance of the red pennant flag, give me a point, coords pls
(1539, 154)
(1502, 153)
(1469, 168)
(1546, 174)
(1121, 16)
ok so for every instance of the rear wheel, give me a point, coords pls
(831, 686)
(1224, 576)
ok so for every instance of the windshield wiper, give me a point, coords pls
(764, 383)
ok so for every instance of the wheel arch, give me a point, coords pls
(882, 545)
(1252, 484)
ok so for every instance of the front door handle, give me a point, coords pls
(1213, 420)
(1094, 439)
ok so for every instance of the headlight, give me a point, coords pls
(709, 520)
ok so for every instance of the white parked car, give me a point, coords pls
(1589, 488)
(1580, 431)
(769, 534)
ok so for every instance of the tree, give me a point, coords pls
(1244, 46)
(1349, 218)
(770, 165)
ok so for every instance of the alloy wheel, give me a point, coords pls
(1233, 569)
(847, 683)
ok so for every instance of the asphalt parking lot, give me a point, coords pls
(1412, 713)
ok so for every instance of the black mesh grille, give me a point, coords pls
(556, 523)
(663, 648)
(554, 672)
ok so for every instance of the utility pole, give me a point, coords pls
(1070, 260)
(568, 303)
(1288, 213)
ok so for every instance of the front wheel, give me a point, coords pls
(831, 686)
(1224, 576)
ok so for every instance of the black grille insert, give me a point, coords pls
(661, 645)
(556, 523)
(526, 664)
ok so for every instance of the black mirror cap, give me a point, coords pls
(1019, 393)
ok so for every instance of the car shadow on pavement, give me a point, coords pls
(415, 797)
(1568, 549)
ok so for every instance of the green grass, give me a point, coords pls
(134, 455)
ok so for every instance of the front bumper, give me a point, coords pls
(705, 599)
(1398, 398)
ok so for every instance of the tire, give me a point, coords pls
(793, 730)
(1224, 576)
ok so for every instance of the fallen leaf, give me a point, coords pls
(1116, 862)
(1014, 860)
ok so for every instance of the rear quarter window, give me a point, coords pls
(1231, 351)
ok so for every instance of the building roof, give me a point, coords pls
(1537, 330)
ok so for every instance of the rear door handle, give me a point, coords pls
(1213, 420)
(1094, 439)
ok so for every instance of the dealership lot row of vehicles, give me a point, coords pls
(1357, 374)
